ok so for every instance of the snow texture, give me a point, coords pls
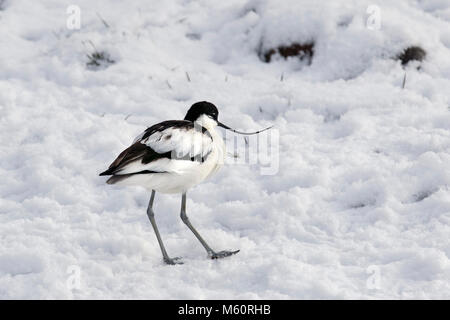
(360, 205)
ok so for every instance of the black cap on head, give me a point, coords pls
(207, 108)
(200, 108)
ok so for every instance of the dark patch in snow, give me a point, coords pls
(422, 195)
(194, 36)
(2, 5)
(363, 204)
(358, 205)
(304, 51)
(413, 53)
(345, 21)
(330, 117)
(99, 60)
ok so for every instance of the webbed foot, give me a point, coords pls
(222, 254)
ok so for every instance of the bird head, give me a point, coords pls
(207, 114)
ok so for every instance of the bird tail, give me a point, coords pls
(108, 172)
(117, 178)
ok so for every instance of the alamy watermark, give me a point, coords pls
(258, 149)
(73, 21)
(261, 150)
(373, 21)
(74, 277)
(373, 282)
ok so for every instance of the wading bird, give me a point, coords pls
(171, 157)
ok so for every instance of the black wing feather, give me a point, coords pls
(175, 124)
(130, 154)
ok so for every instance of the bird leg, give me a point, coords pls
(151, 216)
(211, 253)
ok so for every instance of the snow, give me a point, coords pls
(358, 208)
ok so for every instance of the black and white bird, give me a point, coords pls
(171, 157)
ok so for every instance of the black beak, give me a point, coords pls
(240, 132)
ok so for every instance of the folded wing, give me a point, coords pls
(170, 146)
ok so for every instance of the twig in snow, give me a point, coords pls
(404, 81)
(126, 118)
(168, 84)
(53, 31)
(102, 20)
(282, 77)
(187, 76)
(92, 44)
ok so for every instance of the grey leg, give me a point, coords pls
(151, 216)
(211, 253)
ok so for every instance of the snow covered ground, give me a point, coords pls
(360, 204)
